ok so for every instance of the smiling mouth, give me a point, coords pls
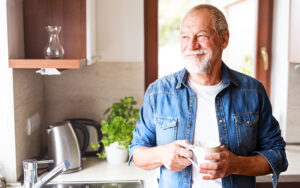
(195, 53)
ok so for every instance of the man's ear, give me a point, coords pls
(225, 39)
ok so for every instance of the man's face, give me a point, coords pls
(200, 45)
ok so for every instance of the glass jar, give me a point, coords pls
(53, 49)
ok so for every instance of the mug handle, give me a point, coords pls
(193, 162)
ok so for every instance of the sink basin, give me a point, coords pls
(97, 184)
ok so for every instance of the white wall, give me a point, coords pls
(7, 127)
(293, 126)
(280, 63)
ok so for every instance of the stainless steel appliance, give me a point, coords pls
(87, 131)
(63, 145)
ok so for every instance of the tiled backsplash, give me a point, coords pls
(84, 93)
(88, 92)
(28, 100)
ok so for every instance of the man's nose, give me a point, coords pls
(193, 44)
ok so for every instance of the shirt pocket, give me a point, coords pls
(246, 130)
(166, 129)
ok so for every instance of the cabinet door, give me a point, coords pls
(69, 14)
(294, 55)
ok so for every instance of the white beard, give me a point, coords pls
(198, 65)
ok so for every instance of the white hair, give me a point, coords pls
(219, 22)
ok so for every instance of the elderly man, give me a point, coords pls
(207, 101)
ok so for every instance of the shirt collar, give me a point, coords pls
(227, 77)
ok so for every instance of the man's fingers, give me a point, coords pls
(215, 170)
(213, 166)
(183, 162)
(184, 152)
(210, 174)
(184, 143)
(208, 177)
(216, 156)
(205, 171)
(213, 156)
(181, 151)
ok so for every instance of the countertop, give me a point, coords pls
(95, 169)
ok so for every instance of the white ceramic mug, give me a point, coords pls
(201, 149)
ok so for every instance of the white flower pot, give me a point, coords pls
(116, 154)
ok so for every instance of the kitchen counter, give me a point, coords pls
(95, 169)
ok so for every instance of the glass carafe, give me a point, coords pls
(53, 49)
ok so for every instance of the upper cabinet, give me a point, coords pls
(115, 30)
(294, 43)
(70, 15)
(91, 30)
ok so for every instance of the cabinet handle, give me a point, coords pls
(264, 54)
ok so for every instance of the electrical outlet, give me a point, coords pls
(33, 123)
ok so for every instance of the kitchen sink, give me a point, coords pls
(97, 184)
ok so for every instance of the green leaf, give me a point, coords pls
(101, 155)
(120, 123)
(106, 111)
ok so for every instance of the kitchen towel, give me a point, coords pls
(48, 71)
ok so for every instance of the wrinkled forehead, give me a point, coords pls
(198, 17)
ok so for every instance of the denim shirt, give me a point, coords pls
(245, 122)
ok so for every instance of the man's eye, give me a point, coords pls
(202, 37)
(184, 37)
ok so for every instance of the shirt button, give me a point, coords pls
(190, 123)
(193, 100)
(220, 121)
(187, 172)
(248, 122)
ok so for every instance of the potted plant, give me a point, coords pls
(117, 130)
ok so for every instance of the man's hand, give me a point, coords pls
(174, 156)
(225, 164)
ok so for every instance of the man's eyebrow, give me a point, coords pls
(201, 31)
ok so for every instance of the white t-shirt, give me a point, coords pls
(206, 126)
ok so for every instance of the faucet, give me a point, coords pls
(30, 172)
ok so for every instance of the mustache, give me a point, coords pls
(195, 52)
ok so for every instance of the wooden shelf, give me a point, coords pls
(47, 63)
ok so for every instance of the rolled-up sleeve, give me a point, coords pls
(144, 134)
(270, 142)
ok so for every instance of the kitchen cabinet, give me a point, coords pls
(89, 31)
(115, 30)
(294, 41)
(71, 16)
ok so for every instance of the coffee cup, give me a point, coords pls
(201, 149)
